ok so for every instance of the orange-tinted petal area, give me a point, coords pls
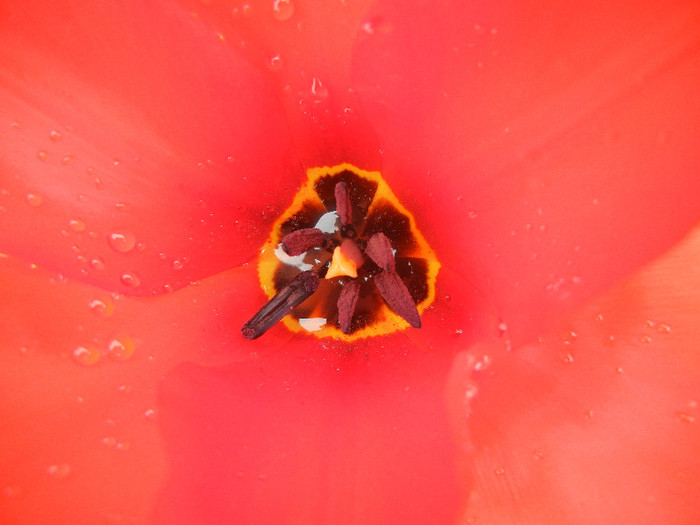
(140, 152)
(79, 369)
(598, 421)
(315, 437)
(551, 147)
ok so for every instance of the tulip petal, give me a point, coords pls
(310, 435)
(140, 153)
(305, 47)
(546, 149)
(81, 442)
(598, 422)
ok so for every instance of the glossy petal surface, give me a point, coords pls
(81, 444)
(598, 422)
(549, 150)
(140, 151)
(305, 47)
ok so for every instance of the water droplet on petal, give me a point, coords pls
(177, 264)
(121, 241)
(67, 159)
(33, 199)
(685, 418)
(130, 279)
(42, 155)
(470, 391)
(149, 414)
(318, 89)
(76, 225)
(54, 135)
(86, 355)
(102, 308)
(97, 264)
(499, 470)
(663, 328)
(282, 9)
(275, 63)
(120, 349)
(59, 470)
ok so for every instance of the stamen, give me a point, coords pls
(346, 305)
(397, 296)
(302, 240)
(379, 250)
(288, 298)
(342, 203)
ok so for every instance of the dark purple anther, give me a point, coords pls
(379, 250)
(288, 298)
(302, 240)
(342, 203)
(396, 295)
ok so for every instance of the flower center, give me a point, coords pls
(345, 260)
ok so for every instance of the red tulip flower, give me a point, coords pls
(547, 151)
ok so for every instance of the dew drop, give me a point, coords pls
(645, 339)
(130, 279)
(567, 358)
(482, 363)
(58, 470)
(123, 445)
(86, 355)
(11, 491)
(121, 241)
(149, 414)
(685, 418)
(120, 349)
(275, 64)
(76, 225)
(663, 328)
(54, 135)
(102, 308)
(177, 264)
(499, 471)
(470, 391)
(318, 89)
(42, 155)
(67, 159)
(282, 9)
(33, 199)
(97, 263)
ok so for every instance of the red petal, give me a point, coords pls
(83, 441)
(305, 46)
(317, 436)
(136, 121)
(546, 149)
(598, 423)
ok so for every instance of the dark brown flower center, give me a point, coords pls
(345, 260)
